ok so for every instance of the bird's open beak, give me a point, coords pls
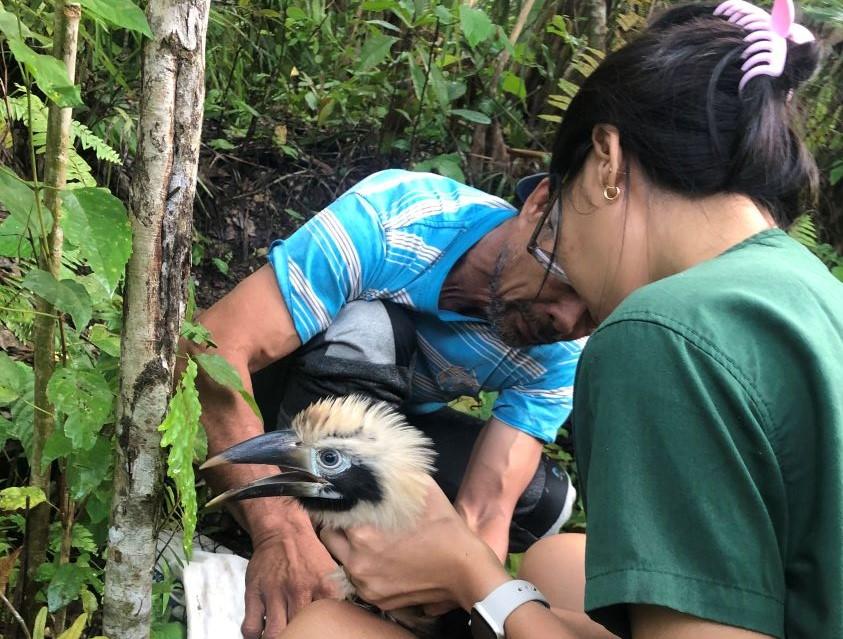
(278, 448)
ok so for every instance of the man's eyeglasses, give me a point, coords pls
(551, 218)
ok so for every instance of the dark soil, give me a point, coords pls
(254, 194)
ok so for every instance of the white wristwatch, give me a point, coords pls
(488, 616)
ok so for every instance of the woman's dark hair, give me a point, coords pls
(673, 95)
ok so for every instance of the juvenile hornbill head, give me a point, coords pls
(348, 460)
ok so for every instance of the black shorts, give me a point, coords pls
(370, 349)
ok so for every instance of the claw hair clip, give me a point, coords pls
(768, 35)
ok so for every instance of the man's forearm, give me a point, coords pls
(228, 420)
(502, 464)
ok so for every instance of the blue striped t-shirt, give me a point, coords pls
(396, 235)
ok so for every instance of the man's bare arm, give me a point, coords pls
(253, 328)
(503, 462)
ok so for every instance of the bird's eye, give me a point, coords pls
(329, 458)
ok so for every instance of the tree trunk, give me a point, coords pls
(66, 30)
(161, 203)
(595, 29)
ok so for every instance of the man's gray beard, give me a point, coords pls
(497, 311)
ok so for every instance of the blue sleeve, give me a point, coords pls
(328, 262)
(540, 406)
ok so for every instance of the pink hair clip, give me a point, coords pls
(769, 32)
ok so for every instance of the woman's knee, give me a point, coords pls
(556, 565)
(328, 617)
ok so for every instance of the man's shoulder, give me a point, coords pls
(404, 197)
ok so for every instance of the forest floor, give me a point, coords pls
(254, 194)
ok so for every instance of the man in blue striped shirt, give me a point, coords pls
(486, 313)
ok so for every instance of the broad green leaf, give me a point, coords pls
(97, 223)
(120, 13)
(76, 629)
(375, 51)
(836, 173)
(221, 144)
(66, 295)
(456, 90)
(383, 24)
(472, 116)
(14, 498)
(476, 25)
(417, 76)
(179, 430)
(514, 85)
(18, 198)
(103, 339)
(326, 111)
(65, 585)
(98, 505)
(48, 72)
(23, 414)
(837, 272)
(81, 538)
(57, 446)
(88, 473)
(11, 380)
(85, 398)
(444, 15)
(196, 333)
(7, 430)
(9, 26)
(224, 374)
(446, 164)
(439, 86)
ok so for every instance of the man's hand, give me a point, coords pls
(284, 575)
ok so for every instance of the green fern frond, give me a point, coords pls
(804, 231)
(18, 312)
(78, 170)
(89, 140)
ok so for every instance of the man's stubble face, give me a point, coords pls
(517, 321)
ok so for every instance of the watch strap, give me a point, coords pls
(502, 601)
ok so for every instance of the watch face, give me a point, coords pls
(480, 629)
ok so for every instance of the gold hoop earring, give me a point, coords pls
(611, 192)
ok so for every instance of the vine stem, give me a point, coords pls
(65, 37)
(430, 58)
(16, 615)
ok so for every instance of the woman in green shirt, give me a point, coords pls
(708, 414)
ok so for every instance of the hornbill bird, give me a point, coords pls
(348, 461)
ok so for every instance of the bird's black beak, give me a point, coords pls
(278, 448)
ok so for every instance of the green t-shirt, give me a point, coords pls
(708, 419)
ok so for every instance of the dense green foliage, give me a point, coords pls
(472, 91)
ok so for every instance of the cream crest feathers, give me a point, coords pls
(400, 456)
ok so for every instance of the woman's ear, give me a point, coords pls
(606, 141)
(536, 202)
